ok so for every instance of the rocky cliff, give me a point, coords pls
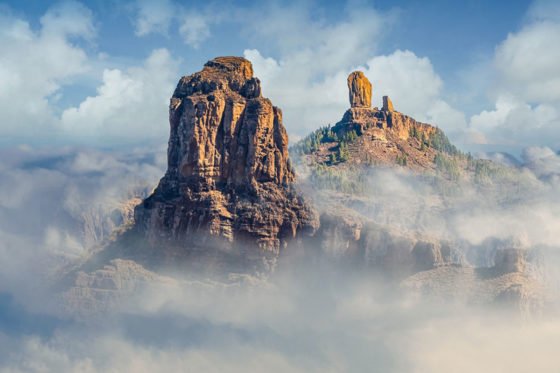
(367, 135)
(228, 188)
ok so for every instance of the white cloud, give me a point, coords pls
(410, 81)
(517, 123)
(308, 77)
(527, 62)
(195, 29)
(68, 19)
(415, 89)
(527, 87)
(542, 161)
(34, 65)
(130, 104)
(153, 16)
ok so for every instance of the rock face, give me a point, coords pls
(370, 136)
(359, 90)
(387, 104)
(228, 186)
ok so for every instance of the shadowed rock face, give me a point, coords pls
(359, 90)
(387, 104)
(228, 184)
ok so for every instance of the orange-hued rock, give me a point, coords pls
(387, 104)
(359, 90)
(228, 186)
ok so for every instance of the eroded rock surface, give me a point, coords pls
(359, 90)
(228, 187)
(387, 104)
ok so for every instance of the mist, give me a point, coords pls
(57, 206)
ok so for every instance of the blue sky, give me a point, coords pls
(101, 72)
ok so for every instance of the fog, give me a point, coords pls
(56, 205)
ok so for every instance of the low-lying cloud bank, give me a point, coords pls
(314, 323)
(56, 204)
(52, 208)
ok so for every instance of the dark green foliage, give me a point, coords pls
(312, 141)
(349, 137)
(488, 172)
(402, 159)
(325, 135)
(342, 152)
(439, 141)
(413, 132)
(448, 166)
(352, 181)
(420, 136)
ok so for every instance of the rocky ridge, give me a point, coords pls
(367, 136)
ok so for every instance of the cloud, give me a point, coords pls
(28, 88)
(334, 325)
(130, 104)
(157, 17)
(153, 16)
(526, 90)
(414, 87)
(194, 29)
(57, 204)
(410, 81)
(317, 319)
(542, 161)
(527, 62)
(307, 75)
(68, 18)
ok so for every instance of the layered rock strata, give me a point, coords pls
(229, 183)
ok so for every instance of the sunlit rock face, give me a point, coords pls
(359, 88)
(228, 185)
(387, 104)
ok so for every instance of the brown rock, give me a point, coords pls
(380, 137)
(359, 90)
(228, 186)
(387, 104)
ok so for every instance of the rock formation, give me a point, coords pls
(387, 104)
(228, 186)
(367, 135)
(362, 117)
(359, 90)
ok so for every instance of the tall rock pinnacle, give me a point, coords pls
(223, 131)
(228, 185)
(387, 104)
(359, 88)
